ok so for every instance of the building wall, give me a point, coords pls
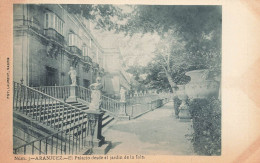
(40, 60)
(115, 77)
(32, 62)
(20, 57)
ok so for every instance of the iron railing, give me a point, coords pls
(59, 92)
(141, 99)
(107, 104)
(68, 141)
(111, 105)
(70, 121)
(134, 106)
(139, 109)
(84, 93)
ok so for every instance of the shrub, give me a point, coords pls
(206, 115)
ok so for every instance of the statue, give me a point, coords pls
(95, 94)
(73, 76)
(122, 94)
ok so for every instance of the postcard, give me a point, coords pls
(139, 81)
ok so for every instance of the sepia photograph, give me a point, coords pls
(103, 79)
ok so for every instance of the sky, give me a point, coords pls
(137, 49)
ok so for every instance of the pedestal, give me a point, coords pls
(95, 127)
(122, 113)
(94, 136)
(184, 113)
(73, 94)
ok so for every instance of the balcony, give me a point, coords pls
(87, 59)
(33, 23)
(54, 35)
(75, 50)
(101, 70)
(95, 65)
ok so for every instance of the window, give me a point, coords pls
(54, 22)
(85, 50)
(74, 40)
(47, 20)
(86, 83)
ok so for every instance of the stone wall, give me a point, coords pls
(31, 58)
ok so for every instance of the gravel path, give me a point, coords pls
(157, 132)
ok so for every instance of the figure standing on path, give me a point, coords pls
(73, 76)
(95, 94)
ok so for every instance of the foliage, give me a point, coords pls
(194, 24)
(206, 115)
(191, 37)
(104, 16)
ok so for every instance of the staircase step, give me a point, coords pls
(69, 122)
(51, 113)
(36, 110)
(107, 121)
(28, 128)
(76, 104)
(105, 117)
(72, 102)
(33, 122)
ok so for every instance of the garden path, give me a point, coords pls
(157, 132)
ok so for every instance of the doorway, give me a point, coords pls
(52, 78)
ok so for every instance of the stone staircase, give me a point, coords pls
(52, 115)
(38, 117)
(107, 119)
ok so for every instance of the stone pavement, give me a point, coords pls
(157, 132)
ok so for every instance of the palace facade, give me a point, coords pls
(48, 40)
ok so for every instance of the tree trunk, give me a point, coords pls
(172, 84)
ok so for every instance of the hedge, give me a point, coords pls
(206, 115)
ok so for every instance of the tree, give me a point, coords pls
(191, 23)
(104, 16)
(191, 35)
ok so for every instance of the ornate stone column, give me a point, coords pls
(94, 135)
